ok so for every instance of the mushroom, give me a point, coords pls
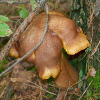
(67, 76)
(48, 57)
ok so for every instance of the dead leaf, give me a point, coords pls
(91, 72)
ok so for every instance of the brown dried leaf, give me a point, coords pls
(13, 79)
(91, 72)
(77, 90)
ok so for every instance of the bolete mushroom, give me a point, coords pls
(48, 57)
(67, 76)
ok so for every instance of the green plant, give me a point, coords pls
(50, 95)
(23, 13)
(34, 4)
(95, 85)
(4, 28)
(2, 63)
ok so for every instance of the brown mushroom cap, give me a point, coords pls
(47, 57)
(62, 32)
(71, 35)
(68, 75)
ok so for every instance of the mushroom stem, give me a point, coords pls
(68, 75)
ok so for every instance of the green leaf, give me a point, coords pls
(5, 30)
(32, 1)
(88, 49)
(23, 13)
(34, 4)
(80, 74)
(3, 19)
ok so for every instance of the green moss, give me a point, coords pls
(95, 85)
(2, 63)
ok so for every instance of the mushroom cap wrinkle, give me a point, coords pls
(71, 35)
(61, 32)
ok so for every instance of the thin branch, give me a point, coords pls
(95, 50)
(15, 36)
(85, 90)
(96, 58)
(42, 38)
(14, 2)
(20, 29)
(37, 86)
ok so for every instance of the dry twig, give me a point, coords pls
(14, 2)
(20, 30)
(85, 90)
(42, 38)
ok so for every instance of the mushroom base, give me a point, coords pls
(68, 76)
